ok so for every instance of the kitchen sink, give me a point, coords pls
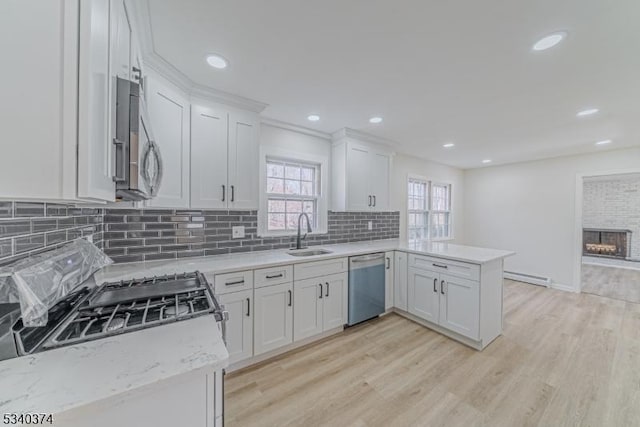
(308, 252)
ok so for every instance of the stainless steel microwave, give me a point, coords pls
(138, 164)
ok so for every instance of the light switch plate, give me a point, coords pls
(370, 225)
(237, 232)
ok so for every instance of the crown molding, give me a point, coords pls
(362, 136)
(139, 13)
(295, 128)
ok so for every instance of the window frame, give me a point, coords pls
(430, 212)
(321, 181)
(414, 211)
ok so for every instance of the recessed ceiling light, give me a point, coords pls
(605, 142)
(485, 161)
(449, 145)
(549, 41)
(375, 120)
(217, 61)
(313, 118)
(587, 112)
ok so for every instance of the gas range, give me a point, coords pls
(120, 307)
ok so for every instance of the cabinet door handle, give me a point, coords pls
(435, 284)
(290, 298)
(388, 263)
(369, 200)
(440, 265)
(224, 191)
(137, 73)
(233, 193)
(442, 287)
(327, 294)
(248, 307)
(320, 284)
(275, 276)
(374, 201)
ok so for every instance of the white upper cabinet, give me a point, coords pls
(243, 160)
(360, 175)
(121, 41)
(60, 121)
(208, 157)
(169, 114)
(224, 158)
(96, 95)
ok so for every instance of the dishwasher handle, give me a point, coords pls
(364, 258)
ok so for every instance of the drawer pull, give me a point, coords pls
(275, 276)
(238, 282)
(440, 265)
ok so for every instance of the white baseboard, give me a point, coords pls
(565, 288)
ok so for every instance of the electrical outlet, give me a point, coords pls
(237, 232)
(370, 225)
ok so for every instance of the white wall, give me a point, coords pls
(531, 208)
(403, 166)
(295, 142)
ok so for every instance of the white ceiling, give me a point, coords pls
(438, 71)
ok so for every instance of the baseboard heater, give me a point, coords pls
(528, 278)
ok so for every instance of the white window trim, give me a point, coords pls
(431, 181)
(323, 195)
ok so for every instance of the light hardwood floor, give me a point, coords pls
(611, 282)
(564, 360)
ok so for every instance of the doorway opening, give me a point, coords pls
(609, 228)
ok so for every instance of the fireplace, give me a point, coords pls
(606, 243)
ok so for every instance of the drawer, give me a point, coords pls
(273, 276)
(441, 265)
(308, 270)
(233, 282)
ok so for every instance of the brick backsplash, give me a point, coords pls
(128, 234)
(614, 203)
(154, 234)
(27, 228)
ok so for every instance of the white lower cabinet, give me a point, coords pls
(424, 295)
(388, 279)
(240, 324)
(177, 401)
(460, 305)
(400, 281)
(273, 317)
(307, 312)
(320, 304)
(335, 301)
(448, 301)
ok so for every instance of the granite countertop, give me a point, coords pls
(66, 378)
(262, 259)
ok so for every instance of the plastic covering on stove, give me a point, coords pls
(38, 282)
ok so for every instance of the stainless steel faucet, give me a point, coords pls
(299, 239)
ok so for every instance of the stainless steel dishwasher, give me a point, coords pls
(366, 287)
